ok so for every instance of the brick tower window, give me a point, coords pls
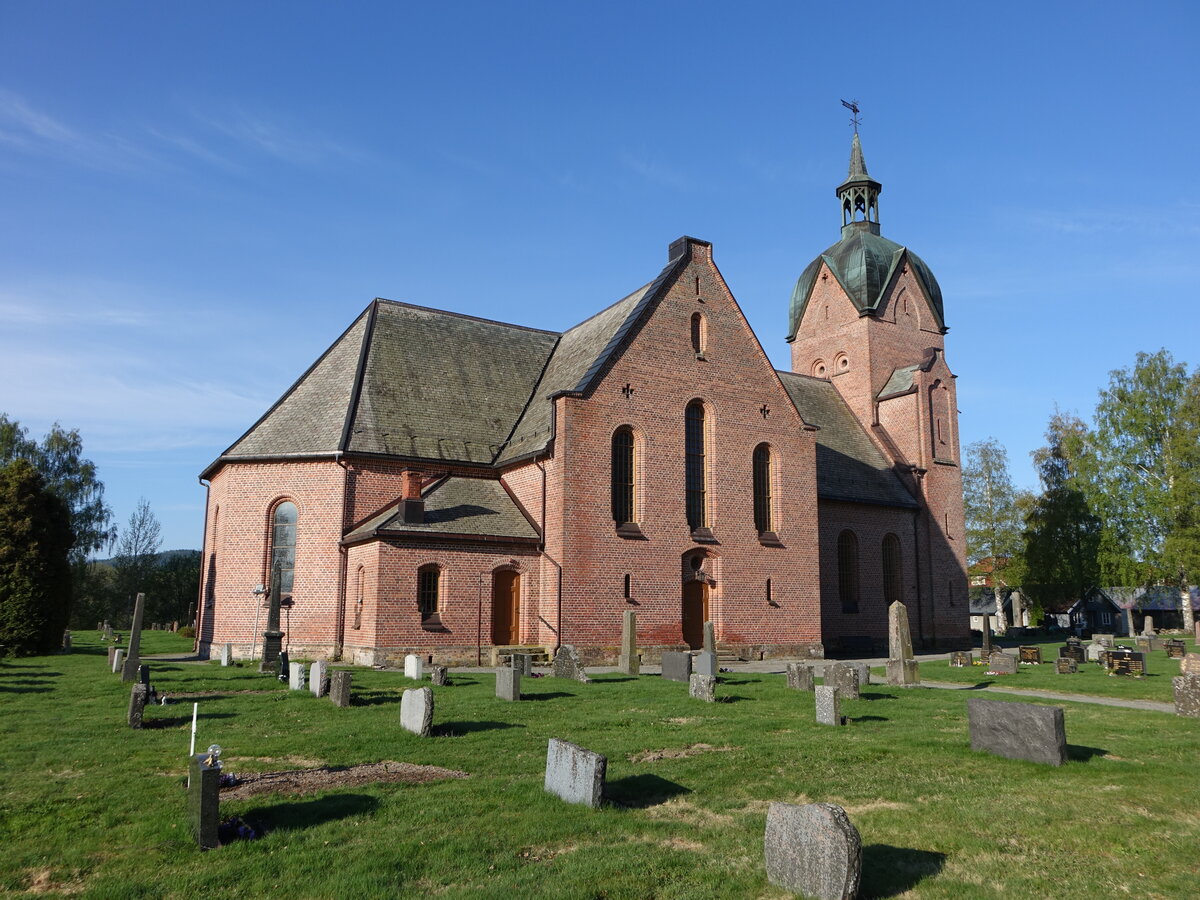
(847, 552)
(283, 544)
(762, 489)
(697, 514)
(892, 591)
(622, 475)
(699, 334)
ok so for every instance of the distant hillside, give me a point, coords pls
(160, 558)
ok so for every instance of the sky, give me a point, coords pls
(198, 199)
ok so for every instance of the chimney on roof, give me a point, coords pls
(412, 505)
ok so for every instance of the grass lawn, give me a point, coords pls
(1090, 679)
(91, 808)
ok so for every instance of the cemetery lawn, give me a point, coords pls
(1090, 679)
(91, 808)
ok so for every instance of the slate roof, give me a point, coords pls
(472, 507)
(849, 465)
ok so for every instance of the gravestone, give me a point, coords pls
(227, 655)
(339, 688)
(703, 687)
(273, 654)
(864, 673)
(1073, 652)
(567, 664)
(1187, 695)
(676, 666)
(1105, 639)
(318, 681)
(902, 669)
(66, 644)
(284, 665)
(413, 667)
(1094, 649)
(296, 676)
(1031, 655)
(813, 850)
(1190, 664)
(112, 655)
(118, 661)
(960, 659)
(799, 677)
(710, 638)
(705, 663)
(1072, 640)
(985, 649)
(1017, 730)
(108, 632)
(844, 678)
(138, 695)
(1002, 664)
(132, 656)
(1176, 649)
(437, 675)
(523, 663)
(1064, 665)
(1148, 626)
(416, 711)
(144, 677)
(630, 661)
(508, 683)
(1126, 662)
(829, 709)
(574, 774)
(204, 798)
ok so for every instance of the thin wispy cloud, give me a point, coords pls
(655, 172)
(287, 143)
(24, 126)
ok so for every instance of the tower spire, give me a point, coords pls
(859, 193)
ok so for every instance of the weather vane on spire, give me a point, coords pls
(852, 105)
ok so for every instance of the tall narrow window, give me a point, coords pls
(699, 334)
(360, 579)
(628, 585)
(892, 591)
(622, 475)
(762, 489)
(429, 591)
(697, 515)
(847, 551)
(283, 545)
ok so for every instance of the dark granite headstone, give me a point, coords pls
(1064, 665)
(1126, 662)
(1176, 649)
(129, 668)
(339, 688)
(138, 695)
(1074, 652)
(568, 665)
(960, 659)
(1017, 730)
(204, 800)
(575, 774)
(813, 850)
(1002, 664)
(1031, 655)
(676, 666)
(799, 677)
(1187, 695)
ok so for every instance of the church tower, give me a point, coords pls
(867, 316)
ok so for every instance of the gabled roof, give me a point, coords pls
(849, 465)
(454, 506)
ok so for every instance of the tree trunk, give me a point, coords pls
(1001, 620)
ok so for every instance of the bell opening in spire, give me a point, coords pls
(859, 193)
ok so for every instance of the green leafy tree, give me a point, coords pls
(1062, 534)
(1182, 544)
(35, 575)
(173, 586)
(992, 515)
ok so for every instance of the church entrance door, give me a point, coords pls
(506, 608)
(695, 613)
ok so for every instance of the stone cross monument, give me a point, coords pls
(273, 636)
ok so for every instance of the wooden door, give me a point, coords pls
(695, 613)
(506, 608)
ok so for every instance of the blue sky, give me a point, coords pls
(198, 198)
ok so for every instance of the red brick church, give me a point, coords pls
(445, 485)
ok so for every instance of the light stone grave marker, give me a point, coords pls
(710, 638)
(902, 669)
(703, 687)
(800, 677)
(1187, 695)
(1017, 730)
(575, 774)
(438, 676)
(813, 850)
(138, 695)
(296, 676)
(508, 683)
(416, 711)
(118, 660)
(66, 642)
(705, 663)
(829, 710)
(413, 667)
(129, 668)
(318, 681)
(629, 662)
(1002, 664)
(1064, 665)
(1190, 664)
(568, 665)
(227, 655)
(844, 678)
(676, 666)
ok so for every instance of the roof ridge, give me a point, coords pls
(458, 315)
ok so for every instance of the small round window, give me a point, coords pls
(818, 369)
(842, 363)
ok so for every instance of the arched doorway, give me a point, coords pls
(695, 613)
(506, 608)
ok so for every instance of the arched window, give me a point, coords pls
(697, 513)
(429, 591)
(283, 545)
(892, 590)
(847, 551)
(699, 333)
(622, 475)
(762, 489)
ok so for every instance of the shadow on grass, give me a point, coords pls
(375, 699)
(611, 679)
(25, 690)
(38, 672)
(548, 695)
(641, 791)
(179, 721)
(731, 698)
(458, 729)
(307, 813)
(739, 680)
(978, 686)
(1079, 753)
(862, 696)
(890, 871)
(869, 719)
